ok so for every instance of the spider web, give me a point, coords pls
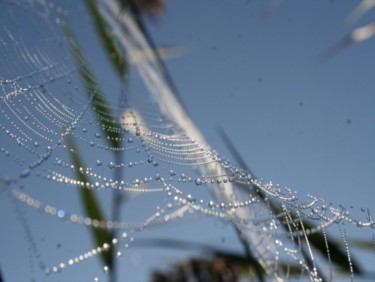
(72, 123)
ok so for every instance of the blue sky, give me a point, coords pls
(297, 121)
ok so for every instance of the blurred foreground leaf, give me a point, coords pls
(91, 205)
(339, 256)
(362, 8)
(105, 119)
(365, 245)
(358, 35)
(99, 104)
(115, 55)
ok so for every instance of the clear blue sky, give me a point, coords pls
(297, 121)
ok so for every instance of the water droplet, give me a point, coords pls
(61, 213)
(111, 165)
(25, 172)
(190, 198)
(198, 181)
(98, 135)
(130, 140)
(172, 173)
(98, 163)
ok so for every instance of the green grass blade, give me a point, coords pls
(99, 104)
(339, 256)
(116, 57)
(91, 205)
(365, 245)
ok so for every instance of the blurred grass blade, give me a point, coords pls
(363, 33)
(91, 205)
(134, 9)
(115, 55)
(365, 245)
(317, 240)
(104, 117)
(358, 35)
(99, 104)
(361, 9)
(338, 256)
(232, 149)
(118, 57)
(164, 52)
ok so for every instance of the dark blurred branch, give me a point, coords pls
(1, 276)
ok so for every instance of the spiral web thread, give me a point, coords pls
(136, 143)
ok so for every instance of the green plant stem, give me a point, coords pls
(115, 216)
